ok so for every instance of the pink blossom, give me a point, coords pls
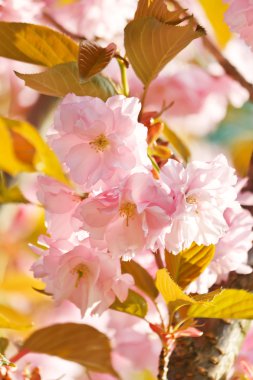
(239, 17)
(87, 278)
(231, 252)
(201, 193)
(99, 141)
(95, 18)
(129, 219)
(60, 203)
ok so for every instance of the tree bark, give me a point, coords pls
(211, 357)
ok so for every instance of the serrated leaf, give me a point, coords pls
(92, 58)
(188, 265)
(14, 160)
(157, 9)
(215, 13)
(170, 291)
(208, 297)
(12, 319)
(135, 305)
(142, 278)
(78, 343)
(230, 303)
(63, 79)
(151, 44)
(176, 142)
(35, 44)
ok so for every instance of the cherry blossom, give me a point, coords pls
(239, 17)
(88, 279)
(201, 192)
(130, 218)
(99, 141)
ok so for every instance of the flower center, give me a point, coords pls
(100, 143)
(80, 270)
(127, 210)
(191, 199)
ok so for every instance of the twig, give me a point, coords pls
(229, 69)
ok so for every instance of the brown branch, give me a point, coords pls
(229, 69)
(211, 357)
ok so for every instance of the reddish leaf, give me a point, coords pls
(93, 59)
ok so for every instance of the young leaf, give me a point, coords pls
(135, 305)
(176, 142)
(35, 44)
(12, 319)
(230, 303)
(142, 278)
(170, 291)
(151, 44)
(157, 9)
(16, 136)
(3, 345)
(78, 343)
(63, 79)
(92, 58)
(186, 266)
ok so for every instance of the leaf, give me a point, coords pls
(188, 265)
(230, 303)
(215, 14)
(92, 58)
(63, 79)
(12, 195)
(170, 291)
(177, 143)
(35, 44)
(4, 343)
(142, 278)
(135, 305)
(160, 151)
(157, 9)
(151, 44)
(78, 343)
(11, 319)
(15, 137)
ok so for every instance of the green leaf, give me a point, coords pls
(12, 195)
(63, 79)
(151, 44)
(35, 44)
(177, 143)
(170, 291)
(12, 319)
(135, 305)
(230, 303)
(93, 58)
(142, 278)
(78, 343)
(188, 265)
(16, 137)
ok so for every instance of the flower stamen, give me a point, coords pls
(127, 210)
(191, 199)
(100, 143)
(81, 270)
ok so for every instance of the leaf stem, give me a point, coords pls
(123, 72)
(158, 259)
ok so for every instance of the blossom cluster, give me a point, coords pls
(114, 209)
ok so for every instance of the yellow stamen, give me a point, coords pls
(127, 210)
(100, 143)
(191, 199)
(81, 270)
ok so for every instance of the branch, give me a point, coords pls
(229, 69)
